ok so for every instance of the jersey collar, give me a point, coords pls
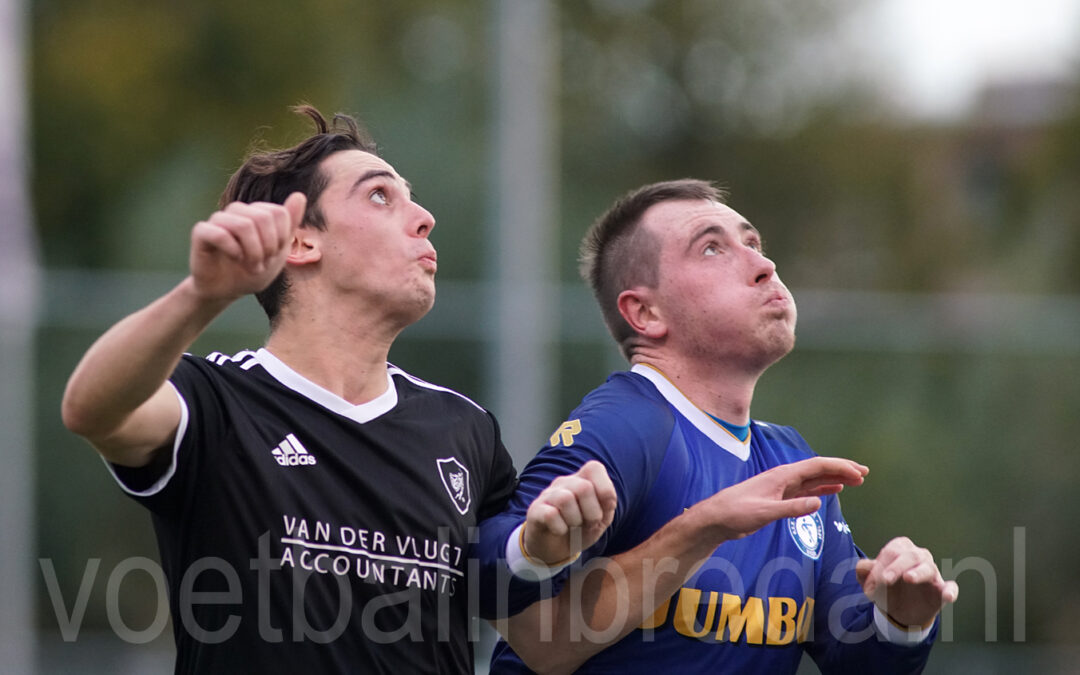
(365, 412)
(695, 415)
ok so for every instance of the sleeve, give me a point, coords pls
(501, 479)
(850, 634)
(628, 437)
(165, 485)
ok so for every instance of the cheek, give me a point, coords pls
(372, 252)
(363, 261)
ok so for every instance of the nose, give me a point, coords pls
(423, 221)
(763, 269)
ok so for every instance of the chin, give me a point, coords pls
(779, 347)
(787, 343)
(422, 304)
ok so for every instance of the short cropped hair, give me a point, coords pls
(272, 175)
(617, 254)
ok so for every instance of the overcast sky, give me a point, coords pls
(941, 51)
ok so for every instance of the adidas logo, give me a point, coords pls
(290, 452)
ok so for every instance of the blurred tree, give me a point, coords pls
(656, 90)
(132, 97)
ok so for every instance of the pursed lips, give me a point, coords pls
(429, 259)
(778, 297)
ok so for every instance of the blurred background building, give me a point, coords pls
(933, 248)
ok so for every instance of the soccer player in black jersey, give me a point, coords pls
(313, 504)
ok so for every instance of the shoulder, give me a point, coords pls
(419, 388)
(625, 411)
(782, 438)
(216, 366)
(624, 424)
(427, 403)
(243, 360)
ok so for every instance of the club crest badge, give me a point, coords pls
(455, 478)
(808, 533)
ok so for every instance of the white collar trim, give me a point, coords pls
(365, 412)
(695, 415)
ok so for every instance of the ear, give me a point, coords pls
(637, 307)
(306, 247)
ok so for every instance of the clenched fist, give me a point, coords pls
(242, 248)
(570, 514)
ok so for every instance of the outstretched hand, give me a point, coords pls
(785, 491)
(242, 248)
(904, 582)
(570, 514)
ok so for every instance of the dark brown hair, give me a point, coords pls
(272, 175)
(617, 254)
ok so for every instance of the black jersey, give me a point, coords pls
(300, 532)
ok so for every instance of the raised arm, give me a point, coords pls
(118, 397)
(611, 597)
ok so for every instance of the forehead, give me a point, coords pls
(344, 168)
(680, 220)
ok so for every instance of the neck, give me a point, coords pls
(722, 391)
(350, 363)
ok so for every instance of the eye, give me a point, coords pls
(711, 249)
(379, 197)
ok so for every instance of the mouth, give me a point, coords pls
(429, 261)
(777, 299)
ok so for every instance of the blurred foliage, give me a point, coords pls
(140, 112)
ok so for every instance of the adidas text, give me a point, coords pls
(290, 452)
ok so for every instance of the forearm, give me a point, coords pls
(127, 365)
(862, 646)
(610, 597)
(615, 595)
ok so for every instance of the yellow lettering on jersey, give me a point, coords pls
(779, 622)
(686, 612)
(735, 617)
(658, 617)
(806, 619)
(565, 433)
(781, 629)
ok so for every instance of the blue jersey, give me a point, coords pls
(759, 602)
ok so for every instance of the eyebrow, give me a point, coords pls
(747, 227)
(378, 173)
(704, 232)
(717, 230)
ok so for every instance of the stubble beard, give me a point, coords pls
(774, 343)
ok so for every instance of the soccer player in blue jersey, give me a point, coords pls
(727, 550)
